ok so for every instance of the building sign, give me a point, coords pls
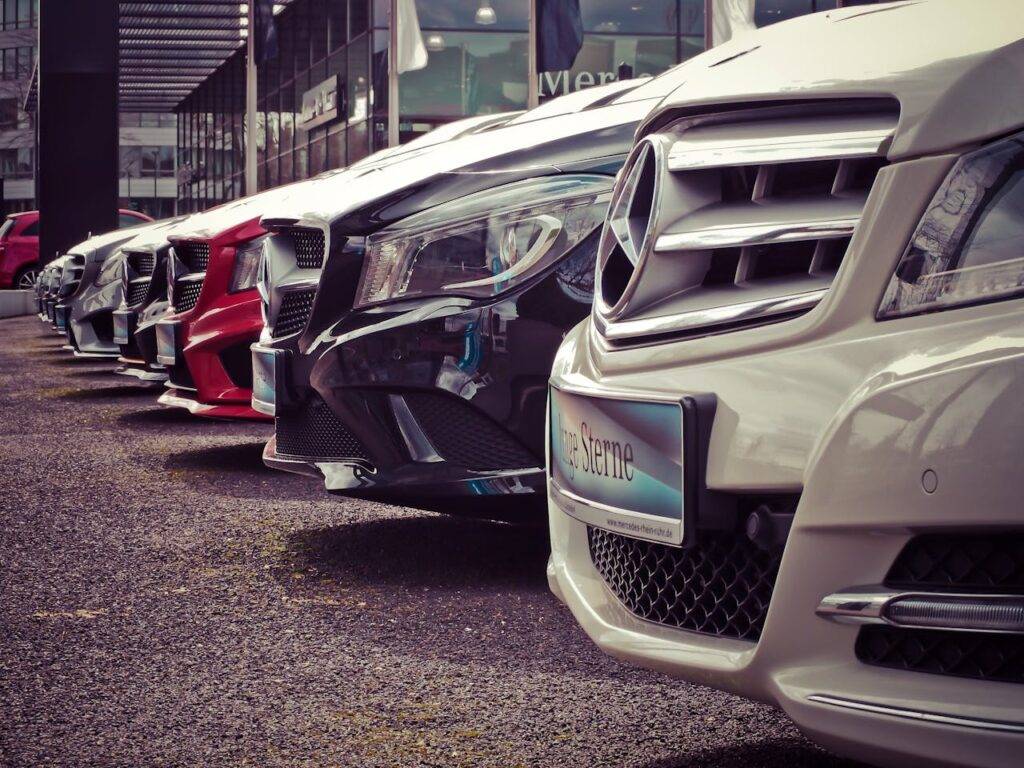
(320, 104)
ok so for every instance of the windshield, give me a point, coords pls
(6, 227)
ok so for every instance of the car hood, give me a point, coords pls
(955, 68)
(560, 143)
(96, 248)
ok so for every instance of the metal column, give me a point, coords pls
(76, 183)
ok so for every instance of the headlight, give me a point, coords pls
(111, 270)
(969, 246)
(247, 265)
(485, 243)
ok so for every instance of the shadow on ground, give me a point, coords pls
(161, 417)
(432, 550)
(103, 393)
(791, 754)
(246, 458)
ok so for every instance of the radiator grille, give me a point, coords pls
(137, 292)
(464, 436)
(978, 562)
(143, 263)
(295, 309)
(735, 220)
(314, 431)
(721, 586)
(977, 655)
(309, 247)
(186, 294)
(194, 255)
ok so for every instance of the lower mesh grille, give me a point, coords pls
(186, 294)
(137, 293)
(294, 312)
(464, 436)
(977, 655)
(314, 431)
(985, 562)
(721, 586)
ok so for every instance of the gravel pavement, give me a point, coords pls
(165, 600)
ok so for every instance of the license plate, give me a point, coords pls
(264, 380)
(166, 347)
(122, 328)
(618, 464)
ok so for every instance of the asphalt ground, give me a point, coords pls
(167, 600)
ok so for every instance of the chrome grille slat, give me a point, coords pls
(747, 218)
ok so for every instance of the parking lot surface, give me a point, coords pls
(166, 600)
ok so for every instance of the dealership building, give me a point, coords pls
(334, 52)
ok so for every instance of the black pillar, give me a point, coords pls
(76, 183)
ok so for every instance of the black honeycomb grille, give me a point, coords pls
(979, 562)
(295, 309)
(309, 248)
(977, 655)
(466, 437)
(721, 586)
(186, 294)
(314, 431)
(142, 262)
(137, 293)
(195, 256)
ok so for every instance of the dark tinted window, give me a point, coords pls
(32, 230)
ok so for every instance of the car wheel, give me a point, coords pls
(26, 278)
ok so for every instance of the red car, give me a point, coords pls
(19, 246)
(215, 315)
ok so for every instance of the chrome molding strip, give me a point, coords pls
(756, 234)
(935, 718)
(951, 612)
(686, 155)
(745, 312)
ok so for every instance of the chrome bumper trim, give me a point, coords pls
(935, 718)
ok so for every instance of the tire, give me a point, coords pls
(25, 278)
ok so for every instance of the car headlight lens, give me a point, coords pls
(247, 265)
(485, 243)
(111, 269)
(969, 246)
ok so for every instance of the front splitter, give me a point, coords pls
(177, 399)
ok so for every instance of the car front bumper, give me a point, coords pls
(850, 422)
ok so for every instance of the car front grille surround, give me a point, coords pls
(142, 263)
(186, 294)
(296, 306)
(309, 247)
(137, 292)
(725, 221)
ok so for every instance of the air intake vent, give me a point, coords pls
(735, 220)
(981, 562)
(186, 294)
(314, 431)
(194, 255)
(143, 263)
(309, 248)
(294, 312)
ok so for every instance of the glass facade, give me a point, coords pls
(477, 64)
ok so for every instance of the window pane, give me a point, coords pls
(509, 15)
(358, 17)
(599, 60)
(337, 22)
(471, 73)
(337, 156)
(358, 79)
(131, 162)
(615, 16)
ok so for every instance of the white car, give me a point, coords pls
(784, 450)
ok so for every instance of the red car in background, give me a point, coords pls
(215, 315)
(19, 246)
